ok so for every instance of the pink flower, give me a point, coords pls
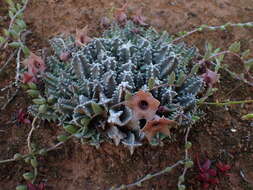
(65, 56)
(138, 18)
(120, 14)
(82, 37)
(35, 65)
(210, 77)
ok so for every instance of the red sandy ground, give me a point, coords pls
(82, 167)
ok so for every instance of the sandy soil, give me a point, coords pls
(81, 167)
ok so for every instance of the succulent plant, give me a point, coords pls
(129, 85)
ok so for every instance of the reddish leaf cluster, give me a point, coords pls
(209, 176)
(35, 65)
(138, 18)
(40, 186)
(82, 38)
(120, 14)
(223, 168)
(21, 118)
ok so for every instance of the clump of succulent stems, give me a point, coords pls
(95, 108)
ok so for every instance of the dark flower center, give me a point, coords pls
(143, 104)
(155, 124)
(142, 123)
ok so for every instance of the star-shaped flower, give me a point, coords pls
(159, 124)
(34, 65)
(210, 77)
(82, 37)
(120, 13)
(144, 105)
(138, 18)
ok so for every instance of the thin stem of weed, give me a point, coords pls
(149, 176)
(30, 134)
(228, 103)
(213, 28)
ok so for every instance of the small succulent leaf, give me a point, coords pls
(21, 187)
(247, 116)
(180, 79)
(248, 64)
(172, 78)
(97, 109)
(70, 128)
(235, 47)
(245, 54)
(15, 44)
(195, 69)
(151, 83)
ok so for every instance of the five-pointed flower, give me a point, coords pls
(144, 105)
(82, 37)
(159, 124)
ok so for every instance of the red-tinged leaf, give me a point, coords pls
(21, 118)
(223, 167)
(198, 163)
(212, 172)
(205, 185)
(41, 186)
(206, 165)
(120, 14)
(27, 78)
(138, 18)
(213, 181)
(204, 177)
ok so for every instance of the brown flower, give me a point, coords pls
(34, 66)
(64, 56)
(210, 77)
(159, 124)
(138, 18)
(81, 36)
(120, 13)
(144, 105)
